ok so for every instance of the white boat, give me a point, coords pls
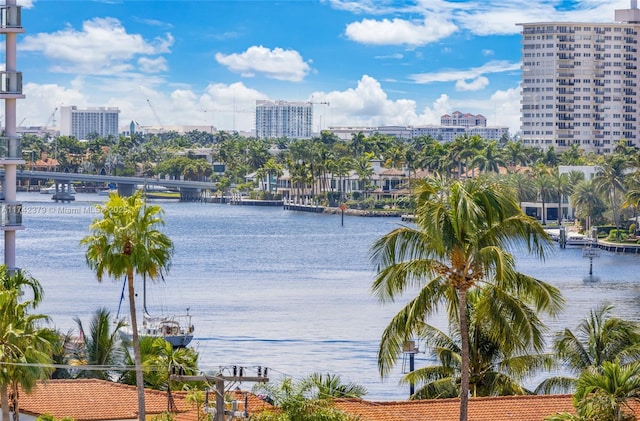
(107, 192)
(575, 239)
(61, 187)
(175, 329)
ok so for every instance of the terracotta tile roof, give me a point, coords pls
(393, 172)
(92, 399)
(501, 408)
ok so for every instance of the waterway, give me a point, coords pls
(279, 289)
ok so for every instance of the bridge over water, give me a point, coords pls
(189, 190)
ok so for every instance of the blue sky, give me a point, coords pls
(207, 62)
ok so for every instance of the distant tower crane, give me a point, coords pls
(153, 110)
(319, 103)
(51, 118)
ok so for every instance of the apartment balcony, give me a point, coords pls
(10, 150)
(10, 214)
(11, 85)
(11, 19)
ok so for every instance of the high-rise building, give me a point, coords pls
(81, 123)
(579, 83)
(276, 119)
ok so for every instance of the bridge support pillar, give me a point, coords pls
(126, 190)
(188, 194)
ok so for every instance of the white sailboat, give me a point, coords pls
(175, 329)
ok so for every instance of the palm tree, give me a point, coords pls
(124, 242)
(610, 179)
(602, 393)
(99, 346)
(165, 360)
(544, 185)
(600, 338)
(515, 154)
(22, 339)
(587, 202)
(330, 385)
(462, 241)
(562, 187)
(296, 401)
(497, 363)
(523, 185)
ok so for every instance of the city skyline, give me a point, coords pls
(207, 62)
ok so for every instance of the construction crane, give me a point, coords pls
(318, 103)
(153, 110)
(51, 118)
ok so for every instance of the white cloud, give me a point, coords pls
(41, 101)
(27, 4)
(476, 84)
(487, 52)
(368, 105)
(152, 65)
(275, 64)
(400, 31)
(462, 75)
(487, 17)
(396, 56)
(102, 47)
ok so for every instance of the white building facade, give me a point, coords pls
(277, 119)
(81, 123)
(465, 120)
(579, 83)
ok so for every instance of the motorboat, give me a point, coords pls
(575, 239)
(61, 188)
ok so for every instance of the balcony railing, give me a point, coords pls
(11, 82)
(10, 148)
(10, 17)
(10, 214)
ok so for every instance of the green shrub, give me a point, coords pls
(616, 235)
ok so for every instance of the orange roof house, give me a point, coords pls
(495, 408)
(100, 400)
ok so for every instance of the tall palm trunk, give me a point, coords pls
(4, 401)
(136, 347)
(464, 353)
